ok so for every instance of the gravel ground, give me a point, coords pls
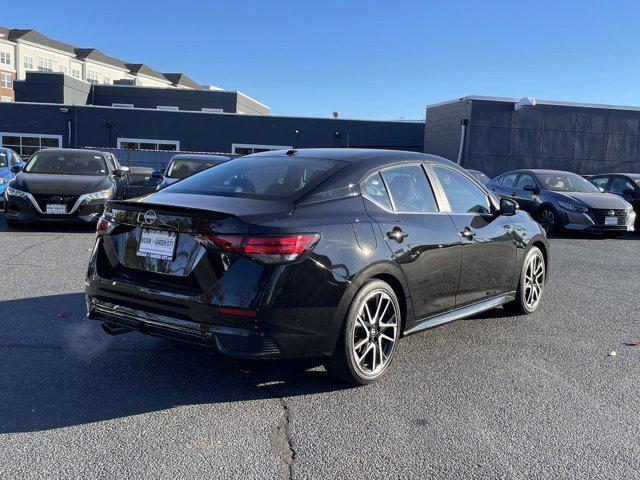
(492, 396)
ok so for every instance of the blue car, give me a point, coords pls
(184, 165)
(8, 158)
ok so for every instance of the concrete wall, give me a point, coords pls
(581, 139)
(442, 128)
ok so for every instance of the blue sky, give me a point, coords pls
(366, 59)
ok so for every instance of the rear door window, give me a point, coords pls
(620, 184)
(274, 178)
(375, 190)
(600, 182)
(410, 190)
(525, 180)
(509, 179)
(464, 196)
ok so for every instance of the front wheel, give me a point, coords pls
(548, 220)
(531, 284)
(369, 335)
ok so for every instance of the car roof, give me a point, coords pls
(198, 156)
(608, 174)
(354, 155)
(73, 150)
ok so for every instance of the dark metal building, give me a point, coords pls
(57, 110)
(496, 137)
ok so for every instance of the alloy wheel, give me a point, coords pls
(374, 333)
(533, 280)
(547, 220)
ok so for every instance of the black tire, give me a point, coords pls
(342, 364)
(548, 220)
(12, 223)
(521, 305)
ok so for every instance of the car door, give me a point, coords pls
(526, 192)
(421, 237)
(488, 246)
(120, 182)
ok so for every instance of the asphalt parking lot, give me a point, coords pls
(493, 396)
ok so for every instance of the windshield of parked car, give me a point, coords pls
(67, 163)
(258, 177)
(565, 182)
(480, 176)
(182, 167)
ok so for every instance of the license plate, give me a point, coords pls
(56, 209)
(159, 244)
(611, 220)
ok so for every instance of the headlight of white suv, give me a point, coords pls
(98, 195)
(16, 193)
(573, 208)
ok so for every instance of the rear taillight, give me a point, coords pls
(271, 249)
(103, 227)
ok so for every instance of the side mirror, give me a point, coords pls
(629, 192)
(16, 167)
(531, 188)
(508, 207)
(156, 174)
(121, 172)
(601, 189)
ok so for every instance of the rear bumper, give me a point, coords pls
(230, 341)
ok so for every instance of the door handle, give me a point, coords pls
(397, 234)
(468, 233)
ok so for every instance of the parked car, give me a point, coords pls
(564, 200)
(8, 158)
(64, 184)
(184, 165)
(479, 175)
(332, 253)
(625, 185)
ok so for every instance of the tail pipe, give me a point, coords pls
(112, 329)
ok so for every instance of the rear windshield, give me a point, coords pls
(259, 177)
(183, 168)
(63, 163)
(565, 182)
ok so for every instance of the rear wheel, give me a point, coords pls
(548, 220)
(531, 284)
(369, 335)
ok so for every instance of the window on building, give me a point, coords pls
(248, 148)
(93, 76)
(107, 80)
(212, 110)
(75, 73)
(167, 107)
(148, 144)
(27, 62)
(6, 80)
(45, 64)
(5, 57)
(26, 144)
(63, 68)
(5, 99)
(122, 105)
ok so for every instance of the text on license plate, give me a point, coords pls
(611, 220)
(56, 209)
(159, 244)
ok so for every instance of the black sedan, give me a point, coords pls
(64, 184)
(314, 253)
(625, 185)
(564, 200)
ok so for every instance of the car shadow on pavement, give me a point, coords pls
(59, 370)
(55, 227)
